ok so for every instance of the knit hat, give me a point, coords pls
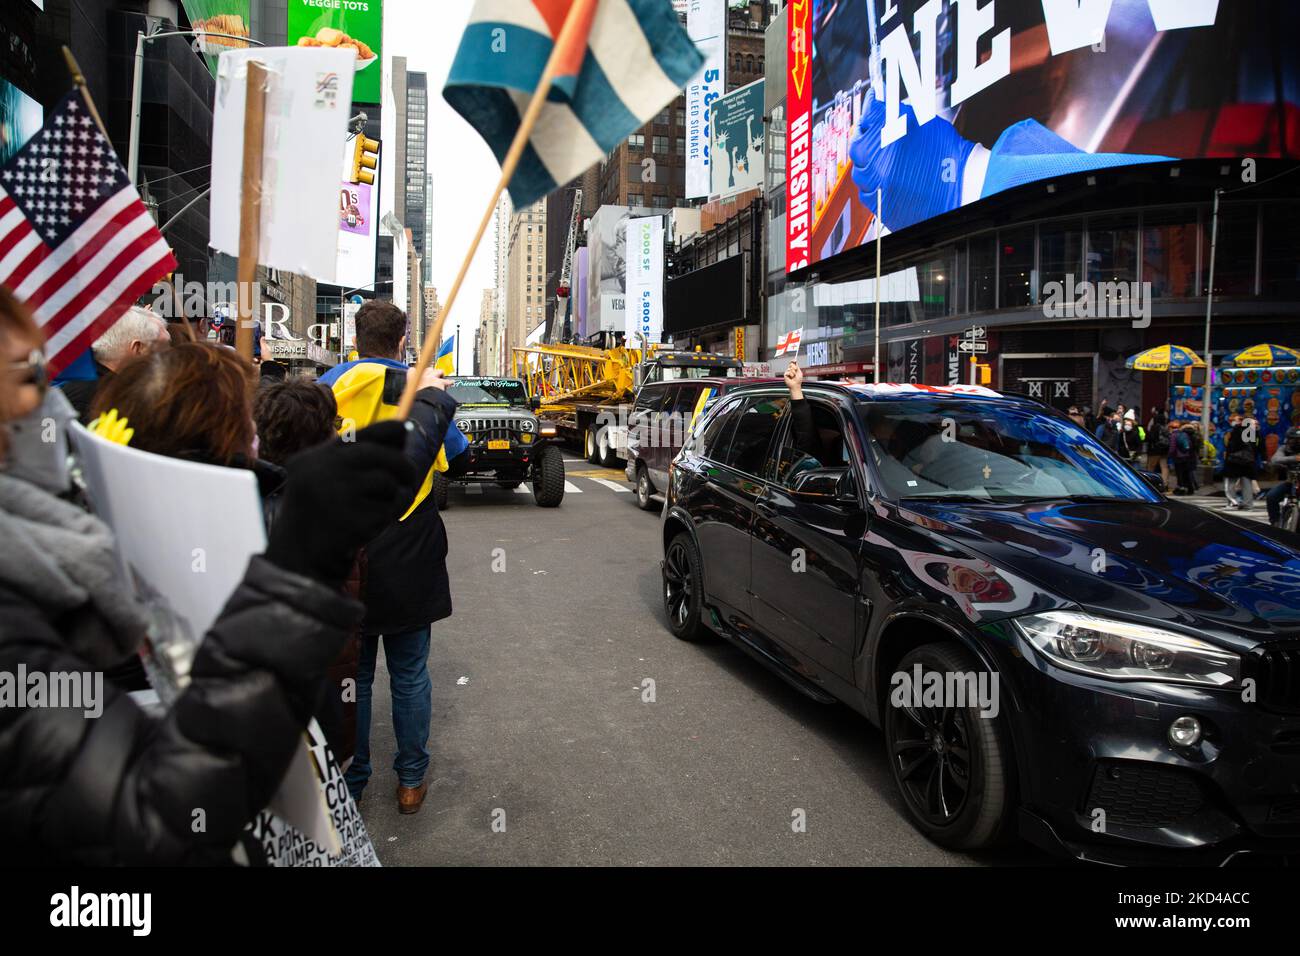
(1129, 416)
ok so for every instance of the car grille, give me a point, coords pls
(1144, 795)
(489, 429)
(1276, 670)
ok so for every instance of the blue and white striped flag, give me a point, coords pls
(624, 66)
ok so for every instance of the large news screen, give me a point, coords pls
(935, 104)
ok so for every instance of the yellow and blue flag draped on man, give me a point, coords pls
(367, 391)
(629, 61)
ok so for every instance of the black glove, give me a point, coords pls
(338, 497)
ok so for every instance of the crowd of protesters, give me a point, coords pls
(306, 617)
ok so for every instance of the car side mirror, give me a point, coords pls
(826, 486)
(1154, 479)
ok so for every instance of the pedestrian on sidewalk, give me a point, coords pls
(1157, 445)
(1241, 453)
(406, 586)
(1287, 454)
(1183, 445)
(1128, 442)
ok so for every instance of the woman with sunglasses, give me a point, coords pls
(110, 784)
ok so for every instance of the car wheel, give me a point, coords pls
(684, 590)
(593, 450)
(509, 485)
(441, 490)
(644, 489)
(607, 457)
(952, 766)
(548, 478)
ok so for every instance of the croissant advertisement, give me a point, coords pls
(356, 25)
(938, 104)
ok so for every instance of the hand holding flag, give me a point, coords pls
(553, 86)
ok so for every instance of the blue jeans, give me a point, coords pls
(407, 657)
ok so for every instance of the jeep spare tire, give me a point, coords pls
(548, 478)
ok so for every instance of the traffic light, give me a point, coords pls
(365, 160)
(981, 373)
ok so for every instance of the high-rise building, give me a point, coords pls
(526, 279)
(416, 169)
(485, 339)
(501, 282)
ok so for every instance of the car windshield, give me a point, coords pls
(671, 373)
(488, 391)
(988, 451)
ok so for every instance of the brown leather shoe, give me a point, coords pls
(410, 799)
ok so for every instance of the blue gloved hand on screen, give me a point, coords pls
(920, 174)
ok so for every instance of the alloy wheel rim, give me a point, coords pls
(931, 753)
(677, 584)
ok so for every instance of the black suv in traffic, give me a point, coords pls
(1050, 646)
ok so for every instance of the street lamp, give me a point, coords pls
(137, 81)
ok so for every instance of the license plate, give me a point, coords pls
(499, 444)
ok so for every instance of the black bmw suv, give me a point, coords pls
(1050, 646)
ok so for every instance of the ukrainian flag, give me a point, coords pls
(446, 359)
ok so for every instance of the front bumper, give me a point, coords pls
(1100, 779)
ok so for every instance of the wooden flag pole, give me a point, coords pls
(250, 205)
(579, 13)
(79, 81)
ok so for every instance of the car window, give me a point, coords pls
(810, 443)
(712, 431)
(651, 398)
(992, 451)
(756, 422)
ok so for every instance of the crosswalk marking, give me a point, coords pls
(571, 489)
(524, 490)
(613, 485)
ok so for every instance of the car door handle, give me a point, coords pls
(765, 508)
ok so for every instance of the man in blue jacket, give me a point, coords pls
(404, 572)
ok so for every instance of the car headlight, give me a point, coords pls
(526, 425)
(1118, 650)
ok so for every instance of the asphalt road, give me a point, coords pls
(539, 721)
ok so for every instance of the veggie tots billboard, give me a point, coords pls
(357, 25)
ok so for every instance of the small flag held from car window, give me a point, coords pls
(788, 344)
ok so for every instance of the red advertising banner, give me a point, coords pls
(798, 140)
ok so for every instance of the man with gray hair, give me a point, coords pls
(136, 333)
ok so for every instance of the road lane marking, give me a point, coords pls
(523, 490)
(621, 489)
(571, 488)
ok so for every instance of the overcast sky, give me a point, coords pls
(463, 168)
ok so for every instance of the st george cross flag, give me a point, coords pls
(789, 343)
(631, 60)
(77, 245)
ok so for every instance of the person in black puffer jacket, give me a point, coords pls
(121, 787)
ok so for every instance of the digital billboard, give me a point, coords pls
(20, 118)
(940, 104)
(736, 141)
(219, 24)
(356, 25)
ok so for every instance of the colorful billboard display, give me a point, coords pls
(20, 117)
(356, 25)
(938, 105)
(736, 141)
(208, 18)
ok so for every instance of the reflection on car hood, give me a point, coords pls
(1166, 561)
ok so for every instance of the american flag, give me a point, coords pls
(789, 343)
(76, 243)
